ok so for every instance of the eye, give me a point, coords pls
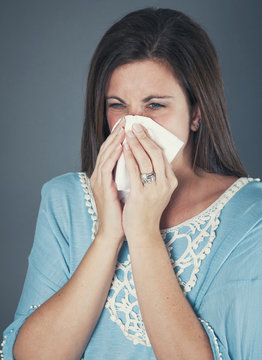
(156, 106)
(116, 105)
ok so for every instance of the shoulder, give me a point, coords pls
(241, 222)
(61, 183)
(237, 249)
(66, 200)
(64, 192)
(65, 187)
(239, 235)
(253, 188)
(244, 200)
(251, 220)
(243, 211)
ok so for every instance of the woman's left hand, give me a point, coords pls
(146, 202)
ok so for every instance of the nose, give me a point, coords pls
(136, 110)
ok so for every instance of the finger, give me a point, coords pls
(109, 150)
(132, 169)
(140, 155)
(154, 151)
(113, 138)
(107, 162)
(116, 137)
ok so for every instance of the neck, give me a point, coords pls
(188, 179)
(182, 167)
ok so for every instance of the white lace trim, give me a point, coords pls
(34, 307)
(127, 304)
(90, 201)
(3, 344)
(221, 201)
(10, 332)
(200, 233)
(200, 230)
(214, 337)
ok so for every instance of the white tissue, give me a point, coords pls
(168, 141)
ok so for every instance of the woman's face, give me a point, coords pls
(148, 88)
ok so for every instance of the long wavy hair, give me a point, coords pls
(172, 37)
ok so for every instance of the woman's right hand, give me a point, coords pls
(104, 188)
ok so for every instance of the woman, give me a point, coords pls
(167, 275)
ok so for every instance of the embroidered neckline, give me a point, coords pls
(219, 202)
(198, 233)
(187, 243)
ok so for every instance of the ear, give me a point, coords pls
(196, 118)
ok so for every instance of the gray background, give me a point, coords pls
(46, 47)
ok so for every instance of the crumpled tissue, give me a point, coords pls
(167, 140)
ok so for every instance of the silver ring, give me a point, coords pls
(148, 178)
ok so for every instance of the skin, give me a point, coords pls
(149, 88)
(190, 192)
(178, 194)
(66, 333)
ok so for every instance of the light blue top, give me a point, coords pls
(217, 257)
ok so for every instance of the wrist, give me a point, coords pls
(109, 243)
(145, 238)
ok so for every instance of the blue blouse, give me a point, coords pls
(216, 256)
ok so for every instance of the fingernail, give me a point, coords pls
(130, 134)
(137, 127)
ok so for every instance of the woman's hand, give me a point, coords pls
(146, 202)
(104, 189)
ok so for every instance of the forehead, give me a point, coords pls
(141, 76)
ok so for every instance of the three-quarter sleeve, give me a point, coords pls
(231, 310)
(48, 262)
(216, 345)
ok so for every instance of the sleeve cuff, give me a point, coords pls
(10, 334)
(215, 344)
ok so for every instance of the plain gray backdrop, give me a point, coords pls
(46, 47)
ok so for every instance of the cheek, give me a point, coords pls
(182, 133)
(112, 119)
(176, 126)
(180, 126)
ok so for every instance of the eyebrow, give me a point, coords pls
(145, 100)
(116, 98)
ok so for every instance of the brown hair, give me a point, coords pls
(170, 36)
